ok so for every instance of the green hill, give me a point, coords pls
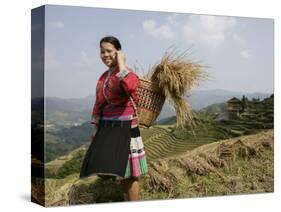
(162, 141)
(241, 163)
(211, 125)
(66, 140)
(233, 166)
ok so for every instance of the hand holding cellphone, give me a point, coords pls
(120, 58)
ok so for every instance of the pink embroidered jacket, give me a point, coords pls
(112, 90)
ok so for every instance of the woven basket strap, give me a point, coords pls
(134, 105)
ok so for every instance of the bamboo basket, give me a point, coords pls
(150, 102)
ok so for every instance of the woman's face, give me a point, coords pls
(107, 54)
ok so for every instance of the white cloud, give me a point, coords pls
(207, 30)
(174, 20)
(153, 29)
(245, 54)
(86, 59)
(56, 24)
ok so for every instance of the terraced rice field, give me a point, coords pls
(161, 143)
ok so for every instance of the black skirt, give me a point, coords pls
(108, 152)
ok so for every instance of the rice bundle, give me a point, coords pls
(175, 75)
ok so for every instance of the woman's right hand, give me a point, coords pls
(121, 59)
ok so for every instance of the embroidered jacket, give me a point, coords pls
(112, 95)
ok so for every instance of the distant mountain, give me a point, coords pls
(72, 105)
(61, 112)
(72, 112)
(167, 120)
(67, 118)
(200, 99)
(64, 140)
(217, 108)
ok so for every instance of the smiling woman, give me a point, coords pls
(117, 148)
(109, 47)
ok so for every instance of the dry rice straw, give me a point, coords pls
(175, 75)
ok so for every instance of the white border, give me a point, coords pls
(15, 104)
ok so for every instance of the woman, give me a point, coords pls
(116, 148)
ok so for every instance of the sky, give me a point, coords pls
(238, 52)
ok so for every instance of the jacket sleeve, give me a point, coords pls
(99, 103)
(129, 82)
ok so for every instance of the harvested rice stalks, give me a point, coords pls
(175, 75)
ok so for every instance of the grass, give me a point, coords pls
(207, 172)
(216, 158)
(162, 141)
(238, 165)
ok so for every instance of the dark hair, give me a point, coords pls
(113, 40)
